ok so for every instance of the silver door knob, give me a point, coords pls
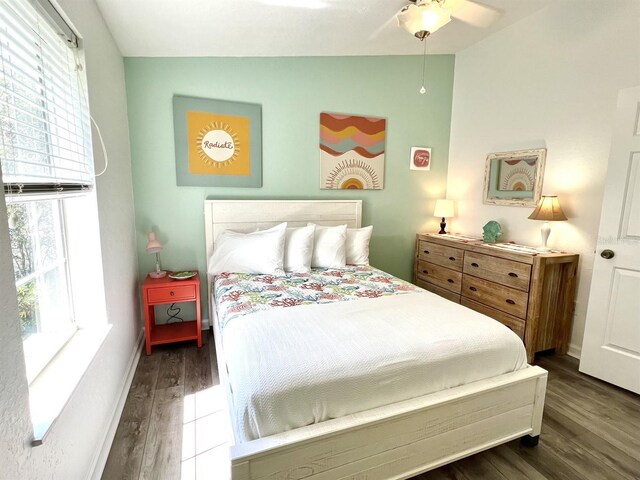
(607, 254)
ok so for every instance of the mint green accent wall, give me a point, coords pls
(292, 91)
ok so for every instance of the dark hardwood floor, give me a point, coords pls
(173, 426)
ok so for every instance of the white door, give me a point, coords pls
(611, 345)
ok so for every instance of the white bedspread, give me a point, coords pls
(300, 365)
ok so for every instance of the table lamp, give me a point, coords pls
(444, 209)
(548, 210)
(154, 246)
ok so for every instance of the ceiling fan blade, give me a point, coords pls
(473, 13)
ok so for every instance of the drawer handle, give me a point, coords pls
(453, 259)
(426, 251)
(450, 281)
(425, 272)
(172, 293)
(514, 275)
(473, 289)
(474, 264)
(510, 302)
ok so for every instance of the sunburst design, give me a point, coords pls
(353, 174)
(518, 179)
(213, 126)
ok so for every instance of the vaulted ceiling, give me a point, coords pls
(196, 28)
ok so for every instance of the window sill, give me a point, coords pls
(40, 348)
(51, 390)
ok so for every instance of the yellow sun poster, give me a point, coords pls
(218, 144)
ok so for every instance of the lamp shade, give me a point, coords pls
(153, 245)
(423, 17)
(548, 209)
(444, 208)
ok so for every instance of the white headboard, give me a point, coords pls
(247, 215)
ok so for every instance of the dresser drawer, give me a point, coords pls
(509, 300)
(514, 323)
(507, 272)
(171, 294)
(440, 276)
(442, 255)
(448, 294)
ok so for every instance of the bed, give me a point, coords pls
(411, 429)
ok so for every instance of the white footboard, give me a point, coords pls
(391, 442)
(404, 439)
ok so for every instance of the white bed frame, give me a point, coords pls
(395, 441)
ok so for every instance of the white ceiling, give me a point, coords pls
(217, 28)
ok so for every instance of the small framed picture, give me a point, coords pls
(514, 178)
(420, 158)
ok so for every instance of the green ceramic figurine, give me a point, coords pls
(491, 232)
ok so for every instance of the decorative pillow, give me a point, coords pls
(329, 249)
(358, 245)
(298, 248)
(255, 252)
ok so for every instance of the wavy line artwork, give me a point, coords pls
(351, 151)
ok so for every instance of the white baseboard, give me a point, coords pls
(100, 460)
(574, 350)
(205, 325)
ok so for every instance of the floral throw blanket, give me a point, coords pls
(238, 294)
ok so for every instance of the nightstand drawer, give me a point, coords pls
(514, 323)
(507, 272)
(440, 276)
(509, 300)
(441, 254)
(171, 294)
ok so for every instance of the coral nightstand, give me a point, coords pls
(158, 291)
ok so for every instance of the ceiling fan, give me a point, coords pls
(423, 17)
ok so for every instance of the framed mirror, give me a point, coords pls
(514, 178)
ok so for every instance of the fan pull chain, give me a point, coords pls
(424, 60)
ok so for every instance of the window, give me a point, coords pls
(39, 263)
(46, 161)
(42, 280)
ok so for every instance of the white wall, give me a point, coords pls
(551, 80)
(73, 444)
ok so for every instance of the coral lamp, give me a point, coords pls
(154, 246)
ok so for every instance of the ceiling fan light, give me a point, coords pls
(434, 18)
(423, 18)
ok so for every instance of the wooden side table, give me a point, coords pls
(158, 291)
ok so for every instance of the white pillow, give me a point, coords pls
(255, 252)
(329, 249)
(358, 245)
(298, 248)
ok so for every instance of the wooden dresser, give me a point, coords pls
(530, 292)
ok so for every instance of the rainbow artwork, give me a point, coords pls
(351, 152)
(518, 174)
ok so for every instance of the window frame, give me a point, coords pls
(47, 152)
(51, 390)
(42, 345)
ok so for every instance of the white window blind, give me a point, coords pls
(45, 143)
